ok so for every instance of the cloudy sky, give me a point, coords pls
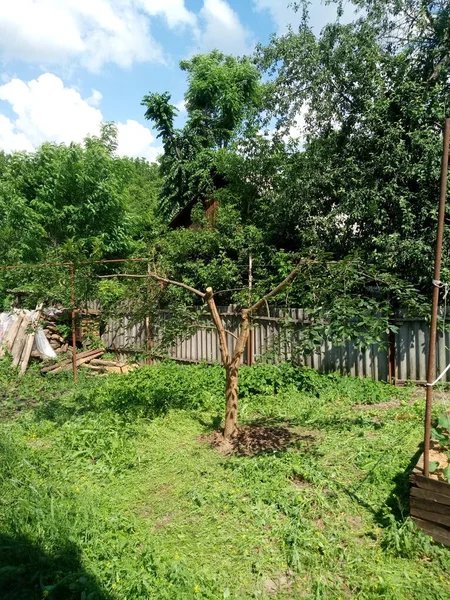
(68, 65)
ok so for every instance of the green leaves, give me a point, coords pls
(366, 177)
(223, 92)
(446, 472)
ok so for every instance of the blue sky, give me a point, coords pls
(67, 65)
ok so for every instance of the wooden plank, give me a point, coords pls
(440, 487)
(429, 495)
(30, 340)
(68, 361)
(107, 363)
(93, 368)
(439, 534)
(433, 517)
(19, 342)
(80, 361)
(422, 504)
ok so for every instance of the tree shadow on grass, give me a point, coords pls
(28, 572)
(261, 436)
(398, 499)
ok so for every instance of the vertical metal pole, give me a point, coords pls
(250, 350)
(148, 324)
(74, 331)
(431, 373)
(391, 357)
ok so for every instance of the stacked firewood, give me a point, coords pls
(66, 365)
(56, 341)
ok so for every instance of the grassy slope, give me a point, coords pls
(97, 504)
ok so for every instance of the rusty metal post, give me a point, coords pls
(391, 358)
(74, 331)
(250, 350)
(148, 323)
(431, 373)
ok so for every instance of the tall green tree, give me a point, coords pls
(372, 95)
(73, 203)
(222, 96)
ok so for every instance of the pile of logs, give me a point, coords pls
(20, 338)
(88, 360)
(56, 341)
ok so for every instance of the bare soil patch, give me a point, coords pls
(440, 456)
(252, 440)
(300, 482)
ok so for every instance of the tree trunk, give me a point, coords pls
(232, 400)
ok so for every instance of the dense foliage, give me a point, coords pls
(354, 196)
(72, 203)
(223, 93)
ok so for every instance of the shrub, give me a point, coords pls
(153, 390)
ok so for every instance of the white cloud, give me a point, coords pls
(221, 28)
(135, 140)
(174, 11)
(46, 110)
(89, 32)
(92, 33)
(10, 140)
(95, 98)
(320, 14)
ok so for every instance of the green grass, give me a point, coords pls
(109, 493)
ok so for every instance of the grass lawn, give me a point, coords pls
(110, 491)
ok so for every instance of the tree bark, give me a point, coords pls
(232, 373)
(231, 411)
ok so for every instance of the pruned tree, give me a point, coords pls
(231, 357)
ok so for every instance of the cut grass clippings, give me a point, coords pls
(104, 501)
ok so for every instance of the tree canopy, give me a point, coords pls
(222, 96)
(321, 146)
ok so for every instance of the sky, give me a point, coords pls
(68, 65)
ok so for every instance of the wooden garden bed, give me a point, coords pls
(430, 504)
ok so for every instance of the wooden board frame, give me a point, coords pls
(430, 504)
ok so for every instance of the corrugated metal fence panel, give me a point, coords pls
(275, 342)
(124, 335)
(411, 351)
(203, 344)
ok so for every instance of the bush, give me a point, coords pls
(153, 390)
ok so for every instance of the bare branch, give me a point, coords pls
(158, 278)
(243, 335)
(209, 297)
(292, 275)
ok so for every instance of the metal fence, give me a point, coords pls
(405, 355)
